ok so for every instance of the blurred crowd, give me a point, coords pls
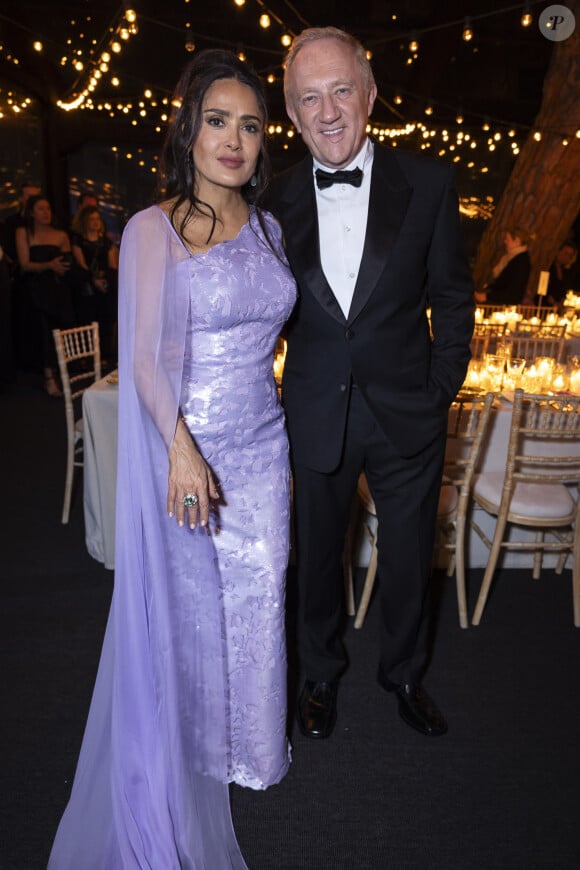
(53, 277)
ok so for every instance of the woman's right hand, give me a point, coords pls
(189, 474)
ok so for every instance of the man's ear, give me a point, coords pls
(372, 98)
(293, 116)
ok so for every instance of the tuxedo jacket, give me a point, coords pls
(413, 259)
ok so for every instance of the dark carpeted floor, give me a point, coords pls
(501, 791)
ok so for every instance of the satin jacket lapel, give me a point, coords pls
(388, 203)
(302, 240)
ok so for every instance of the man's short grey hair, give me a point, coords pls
(313, 34)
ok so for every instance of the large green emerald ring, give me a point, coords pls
(190, 500)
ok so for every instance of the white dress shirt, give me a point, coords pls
(342, 222)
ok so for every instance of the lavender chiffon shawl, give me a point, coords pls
(150, 790)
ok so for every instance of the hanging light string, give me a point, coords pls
(153, 109)
(457, 23)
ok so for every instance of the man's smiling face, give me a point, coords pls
(329, 101)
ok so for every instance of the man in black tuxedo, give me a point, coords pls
(365, 387)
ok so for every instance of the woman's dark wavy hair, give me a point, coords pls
(177, 167)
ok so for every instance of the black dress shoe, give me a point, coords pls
(317, 709)
(419, 711)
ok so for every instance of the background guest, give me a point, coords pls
(511, 273)
(561, 275)
(13, 221)
(95, 277)
(44, 256)
(23, 352)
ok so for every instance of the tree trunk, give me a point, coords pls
(542, 194)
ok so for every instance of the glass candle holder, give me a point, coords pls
(545, 366)
(514, 371)
(494, 367)
(574, 380)
(560, 379)
(473, 376)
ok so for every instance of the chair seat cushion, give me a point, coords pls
(448, 498)
(534, 500)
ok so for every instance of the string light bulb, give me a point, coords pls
(467, 34)
(240, 3)
(265, 21)
(189, 41)
(37, 45)
(286, 40)
(414, 45)
(526, 18)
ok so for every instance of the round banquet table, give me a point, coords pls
(100, 403)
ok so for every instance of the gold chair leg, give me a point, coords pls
(459, 557)
(368, 587)
(537, 569)
(347, 556)
(489, 571)
(576, 585)
(70, 470)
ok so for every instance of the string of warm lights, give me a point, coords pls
(93, 59)
(13, 103)
(111, 44)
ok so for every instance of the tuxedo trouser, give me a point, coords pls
(406, 493)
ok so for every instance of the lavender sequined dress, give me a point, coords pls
(241, 295)
(191, 688)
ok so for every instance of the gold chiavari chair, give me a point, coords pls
(538, 490)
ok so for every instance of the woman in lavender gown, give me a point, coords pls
(190, 693)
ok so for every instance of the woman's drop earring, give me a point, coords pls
(253, 181)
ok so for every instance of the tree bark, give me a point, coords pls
(542, 194)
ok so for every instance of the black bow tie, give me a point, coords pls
(343, 176)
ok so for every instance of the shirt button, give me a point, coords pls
(351, 274)
(347, 229)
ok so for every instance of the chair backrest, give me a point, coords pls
(544, 441)
(467, 426)
(543, 342)
(486, 338)
(79, 360)
(524, 312)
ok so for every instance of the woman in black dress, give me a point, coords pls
(96, 264)
(44, 256)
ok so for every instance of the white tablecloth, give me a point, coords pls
(100, 426)
(100, 404)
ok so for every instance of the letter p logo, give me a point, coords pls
(557, 23)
